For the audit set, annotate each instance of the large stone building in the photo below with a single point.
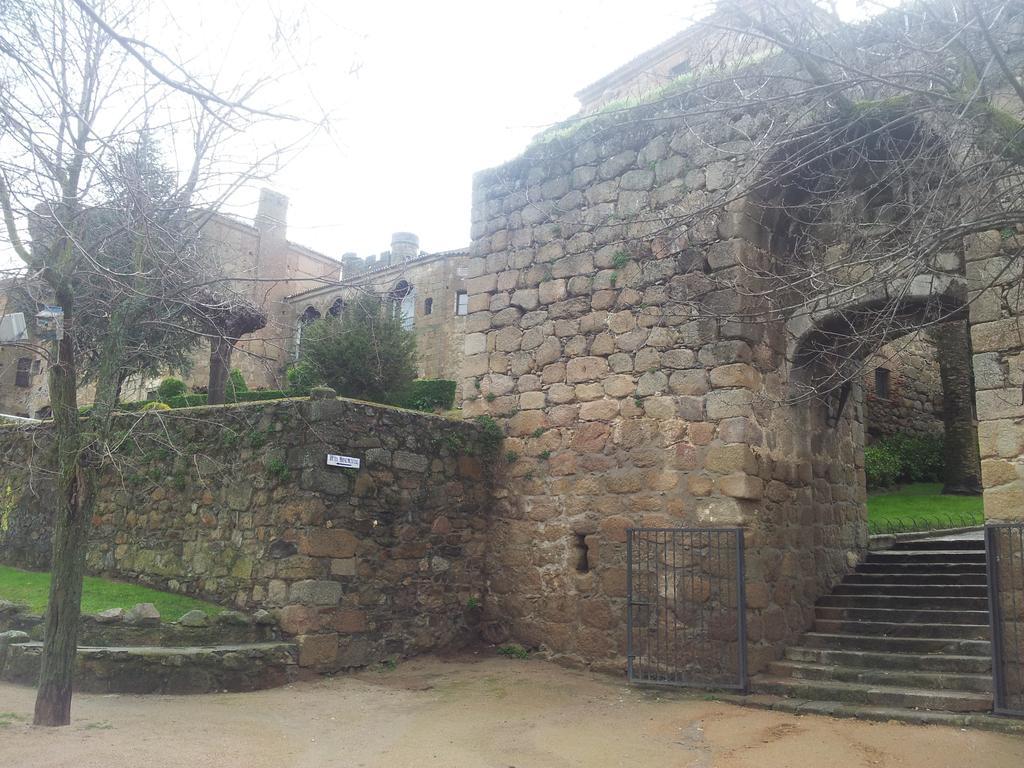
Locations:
(292, 284)
(428, 291)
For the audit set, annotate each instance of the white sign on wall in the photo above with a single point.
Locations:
(350, 462)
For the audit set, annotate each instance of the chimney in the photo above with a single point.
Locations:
(351, 265)
(272, 213)
(404, 245)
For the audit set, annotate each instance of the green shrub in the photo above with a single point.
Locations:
(365, 354)
(426, 395)
(236, 386)
(155, 405)
(903, 459)
(303, 376)
(882, 465)
(170, 387)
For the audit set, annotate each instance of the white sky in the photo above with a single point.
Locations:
(421, 95)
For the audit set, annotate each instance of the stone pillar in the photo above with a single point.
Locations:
(962, 461)
(997, 338)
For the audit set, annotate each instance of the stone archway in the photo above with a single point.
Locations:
(625, 404)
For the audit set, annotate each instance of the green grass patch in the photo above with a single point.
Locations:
(98, 594)
(921, 507)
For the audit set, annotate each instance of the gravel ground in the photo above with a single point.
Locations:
(472, 711)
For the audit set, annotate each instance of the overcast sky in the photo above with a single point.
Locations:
(421, 96)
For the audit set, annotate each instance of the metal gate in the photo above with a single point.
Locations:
(686, 613)
(1004, 555)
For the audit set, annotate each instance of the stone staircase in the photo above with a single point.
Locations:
(908, 629)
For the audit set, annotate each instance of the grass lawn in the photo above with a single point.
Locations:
(97, 594)
(921, 506)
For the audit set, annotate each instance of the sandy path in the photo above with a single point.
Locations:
(499, 713)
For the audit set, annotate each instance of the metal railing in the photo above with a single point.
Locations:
(686, 610)
(934, 521)
(1004, 557)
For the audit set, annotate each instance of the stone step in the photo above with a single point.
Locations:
(978, 720)
(901, 629)
(978, 683)
(153, 669)
(874, 695)
(926, 556)
(933, 602)
(944, 545)
(908, 590)
(897, 567)
(854, 642)
(966, 579)
(901, 615)
(879, 660)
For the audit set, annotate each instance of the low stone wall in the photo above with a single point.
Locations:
(236, 504)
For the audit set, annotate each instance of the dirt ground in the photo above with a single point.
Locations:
(477, 712)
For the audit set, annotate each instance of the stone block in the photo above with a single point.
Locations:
(328, 542)
(318, 651)
(143, 615)
(998, 336)
(551, 291)
(651, 383)
(735, 375)
(599, 410)
(741, 486)
(299, 619)
(729, 403)
(726, 459)
(585, 369)
(343, 566)
(315, 592)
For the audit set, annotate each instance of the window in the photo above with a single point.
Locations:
(882, 382)
(310, 315)
(403, 297)
(23, 378)
(337, 309)
(461, 303)
(428, 306)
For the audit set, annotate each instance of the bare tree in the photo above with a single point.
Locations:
(112, 244)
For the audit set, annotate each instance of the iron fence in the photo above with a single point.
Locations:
(1004, 556)
(686, 614)
(933, 521)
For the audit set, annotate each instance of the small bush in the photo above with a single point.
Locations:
(170, 387)
(514, 651)
(904, 459)
(155, 405)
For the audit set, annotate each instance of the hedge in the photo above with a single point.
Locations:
(904, 459)
(426, 395)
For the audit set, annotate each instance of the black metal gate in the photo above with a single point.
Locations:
(1004, 555)
(686, 614)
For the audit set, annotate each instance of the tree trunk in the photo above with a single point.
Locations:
(220, 369)
(73, 506)
(963, 461)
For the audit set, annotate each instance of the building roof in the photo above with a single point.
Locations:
(379, 269)
(639, 63)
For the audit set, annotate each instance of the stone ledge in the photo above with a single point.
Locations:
(985, 722)
(157, 670)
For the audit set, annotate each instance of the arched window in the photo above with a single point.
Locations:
(403, 299)
(337, 309)
(309, 315)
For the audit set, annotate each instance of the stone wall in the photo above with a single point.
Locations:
(913, 404)
(994, 271)
(236, 504)
(624, 406)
